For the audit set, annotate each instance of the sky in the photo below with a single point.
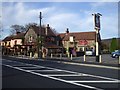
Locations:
(77, 16)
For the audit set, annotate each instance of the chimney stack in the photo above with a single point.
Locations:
(46, 30)
(67, 31)
(17, 32)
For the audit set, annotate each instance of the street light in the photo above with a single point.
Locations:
(97, 28)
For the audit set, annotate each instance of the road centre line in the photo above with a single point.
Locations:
(87, 86)
(73, 72)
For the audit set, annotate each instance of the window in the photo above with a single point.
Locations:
(52, 39)
(9, 43)
(71, 42)
(15, 42)
(5, 43)
(30, 38)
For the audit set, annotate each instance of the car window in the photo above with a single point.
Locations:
(116, 50)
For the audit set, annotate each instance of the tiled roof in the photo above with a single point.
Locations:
(78, 36)
(49, 32)
(8, 38)
(17, 36)
(51, 45)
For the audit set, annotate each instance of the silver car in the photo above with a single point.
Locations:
(89, 53)
(115, 54)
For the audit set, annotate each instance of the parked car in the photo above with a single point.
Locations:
(115, 54)
(89, 52)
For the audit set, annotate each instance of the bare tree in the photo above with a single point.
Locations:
(27, 26)
(17, 28)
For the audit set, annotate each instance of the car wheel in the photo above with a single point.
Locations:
(116, 56)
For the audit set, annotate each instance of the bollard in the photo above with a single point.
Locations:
(100, 58)
(84, 58)
(51, 55)
(71, 56)
(30, 54)
(119, 60)
(43, 55)
(60, 56)
(68, 54)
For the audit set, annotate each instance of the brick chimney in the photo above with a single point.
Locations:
(17, 32)
(46, 30)
(67, 31)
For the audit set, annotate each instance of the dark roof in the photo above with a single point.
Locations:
(78, 36)
(50, 32)
(8, 38)
(51, 45)
(17, 36)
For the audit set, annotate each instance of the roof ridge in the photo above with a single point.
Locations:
(79, 32)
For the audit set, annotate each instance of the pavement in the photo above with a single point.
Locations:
(90, 61)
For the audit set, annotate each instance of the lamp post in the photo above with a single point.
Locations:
(97, 28)
(40, 39)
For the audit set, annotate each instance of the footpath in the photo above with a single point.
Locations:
(90, 61)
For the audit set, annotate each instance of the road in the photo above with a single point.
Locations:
(23, 73)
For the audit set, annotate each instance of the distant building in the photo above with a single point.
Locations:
(9, 43)
(52, 43)
(49, 39)
(78, 40)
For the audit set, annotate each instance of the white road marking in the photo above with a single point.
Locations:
(70, 71)
(96, 81)
(72, 82)
(21, 65)
(90, 65)
(30, 67)
(66, 75)
(102, 77)
(46, 70)
(80, 73)
(87, 86)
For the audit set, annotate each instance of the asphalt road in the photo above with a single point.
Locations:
(22, 73)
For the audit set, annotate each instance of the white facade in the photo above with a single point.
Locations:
(15, 41)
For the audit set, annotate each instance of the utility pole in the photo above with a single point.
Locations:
(40, 39)
(97, 28)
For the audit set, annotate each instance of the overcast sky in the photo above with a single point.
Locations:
(77, 16)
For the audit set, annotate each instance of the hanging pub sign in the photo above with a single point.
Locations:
(97, 21)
